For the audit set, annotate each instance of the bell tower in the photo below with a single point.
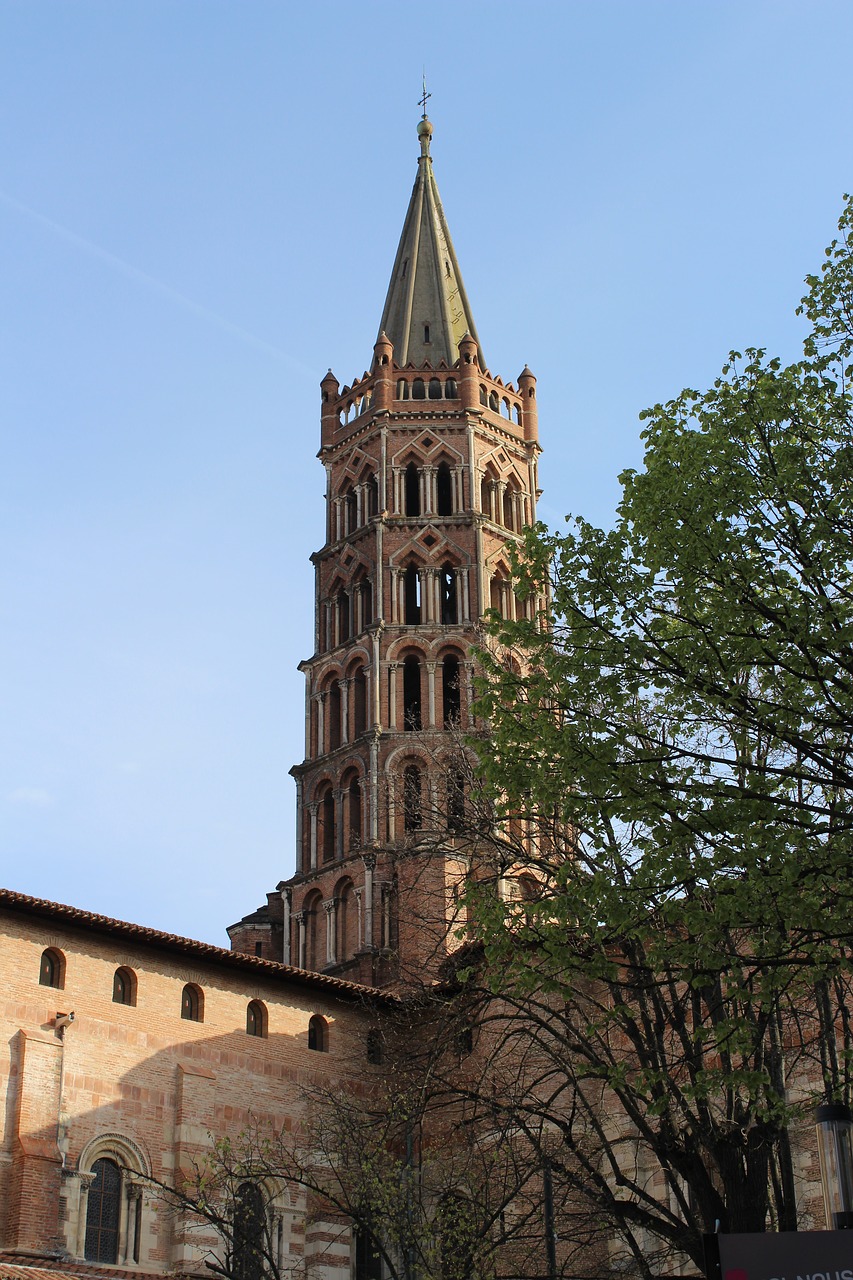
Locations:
(431, 471)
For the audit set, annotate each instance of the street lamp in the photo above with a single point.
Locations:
(834, 1123)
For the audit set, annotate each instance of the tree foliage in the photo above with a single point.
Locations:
(674, 739)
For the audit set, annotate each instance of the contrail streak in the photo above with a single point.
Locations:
(157, 286)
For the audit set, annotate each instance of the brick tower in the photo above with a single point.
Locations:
(431, 471)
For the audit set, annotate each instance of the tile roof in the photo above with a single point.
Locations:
(22, 902)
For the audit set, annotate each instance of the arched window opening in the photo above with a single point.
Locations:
(402, 389)
(447, 587)
(312, 931)
(256, 1018)
(450, 392)
(483, 396)
(450, 691)
(516, 415)
(528, 888)
(52, 969)
(412, 596)
(192, 1003)
(334, 715)
(497, 592)
(418, 389)
(318, 1034)
(124, 986)
(102, 1212)
(455, 800)
(354, 813)
(509, 508)
(505, 409)
(412, 798)
(434, 389)
(457, 1234)
(359, 702)
(327, 822)
(374, 1047)
(350, 512)
(494, 402)
(347, 922)
(444, 490)
(413, 490)
(412, 693)
(486, 495)
(343, 617)
(366, 602)
(249, 1226)
(368, 1259)
(426, 333)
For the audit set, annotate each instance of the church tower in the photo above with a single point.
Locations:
(431, 471)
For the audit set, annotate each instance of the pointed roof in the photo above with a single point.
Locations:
(427, 311)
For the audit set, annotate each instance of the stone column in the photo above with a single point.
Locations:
(374, 790)
(395, 596)
(469, 688)
(85, 1180)
(321, 724)
(429, 504)
(458, 489)
(464, 604)
(359, 921)
(300, 925)
(127, 1237)
(331, 911)
(345, 684)
(300, 828)
(286, 900)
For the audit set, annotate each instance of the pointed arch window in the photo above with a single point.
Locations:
(412, 693)
(412, 596)
(449, 612)
(413, 489)
(444, 490)
(412, 798)
(103, 1210)
(343, 617)
(366, 602)
(327, 824)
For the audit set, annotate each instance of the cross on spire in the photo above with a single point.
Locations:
(422, 100)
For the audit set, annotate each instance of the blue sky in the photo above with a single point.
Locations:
(200, 202)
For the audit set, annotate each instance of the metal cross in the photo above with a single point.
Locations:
(422, 101)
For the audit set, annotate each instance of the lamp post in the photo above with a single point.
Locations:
(834, 1123)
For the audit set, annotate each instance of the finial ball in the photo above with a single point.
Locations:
(424, 128)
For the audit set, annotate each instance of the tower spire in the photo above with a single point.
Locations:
(426, 311)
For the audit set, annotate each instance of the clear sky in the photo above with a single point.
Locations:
(200, 202)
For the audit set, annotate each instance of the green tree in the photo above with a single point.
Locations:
(675, 739)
